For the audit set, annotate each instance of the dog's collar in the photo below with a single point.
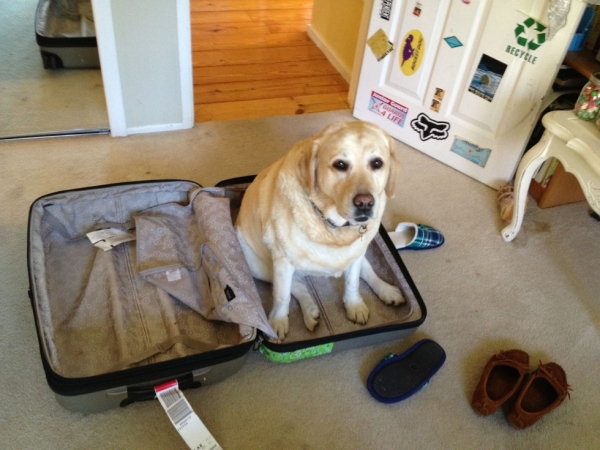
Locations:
(361, 228)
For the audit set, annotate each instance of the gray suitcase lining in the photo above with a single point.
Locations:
(93, 310)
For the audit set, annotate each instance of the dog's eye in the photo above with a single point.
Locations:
(377, 163)
(340, 165)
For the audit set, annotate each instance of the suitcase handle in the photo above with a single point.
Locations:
(145, 393)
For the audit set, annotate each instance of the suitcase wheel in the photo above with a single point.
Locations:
(51, 61)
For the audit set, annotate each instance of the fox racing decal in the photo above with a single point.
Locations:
(429, 128)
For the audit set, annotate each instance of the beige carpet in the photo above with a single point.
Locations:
(540, 293)
(34, 100)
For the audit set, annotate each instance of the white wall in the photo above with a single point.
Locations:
(145, 54)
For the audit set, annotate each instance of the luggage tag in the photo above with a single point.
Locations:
(184, 419)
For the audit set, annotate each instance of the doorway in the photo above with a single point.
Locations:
(253, 58)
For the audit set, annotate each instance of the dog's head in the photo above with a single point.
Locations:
(348, 171)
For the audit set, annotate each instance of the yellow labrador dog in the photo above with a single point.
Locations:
(314, 212)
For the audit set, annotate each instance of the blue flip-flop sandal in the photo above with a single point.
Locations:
(397, 377)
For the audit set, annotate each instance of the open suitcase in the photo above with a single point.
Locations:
(113, 324)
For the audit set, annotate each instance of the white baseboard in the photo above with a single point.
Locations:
(159, 128)
(344, 71)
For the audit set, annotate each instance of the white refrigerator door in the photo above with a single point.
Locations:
(462, 80)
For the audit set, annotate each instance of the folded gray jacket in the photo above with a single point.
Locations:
(192, 252)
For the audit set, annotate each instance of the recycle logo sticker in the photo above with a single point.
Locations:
(530, 34)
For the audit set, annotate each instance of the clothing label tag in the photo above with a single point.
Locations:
(173, 275)
(109, 238)
(184, 419)
(229, 293)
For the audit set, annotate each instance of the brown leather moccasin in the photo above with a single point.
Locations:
(501, 377)
(544, 390)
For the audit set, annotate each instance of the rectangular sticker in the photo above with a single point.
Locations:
(453, 41)
(386, 9)
(436, 102)
(487, 77)
(417, 10)
(388, 108)
(470, 151)
(380, 45)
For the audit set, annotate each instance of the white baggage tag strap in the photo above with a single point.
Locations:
(184, 419)
(108, 238)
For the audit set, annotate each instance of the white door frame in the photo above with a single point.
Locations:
(113, 88)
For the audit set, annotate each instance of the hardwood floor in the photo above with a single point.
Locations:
(253, 58)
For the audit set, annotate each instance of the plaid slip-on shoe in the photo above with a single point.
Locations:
(415, 236)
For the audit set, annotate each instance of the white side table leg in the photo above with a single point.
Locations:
(530, 162)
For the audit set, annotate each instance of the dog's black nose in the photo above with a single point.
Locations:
(363, 202)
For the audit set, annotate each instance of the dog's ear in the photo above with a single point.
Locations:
(394, 169)
(307, 167)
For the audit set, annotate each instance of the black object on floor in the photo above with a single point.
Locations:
(397, 377)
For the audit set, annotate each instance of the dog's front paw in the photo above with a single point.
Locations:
(281, 327)
(391, 295)
(311, 317)
(357, 312)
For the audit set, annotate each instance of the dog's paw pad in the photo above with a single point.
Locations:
(392, 296)
(281, 327)
(358, 313)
